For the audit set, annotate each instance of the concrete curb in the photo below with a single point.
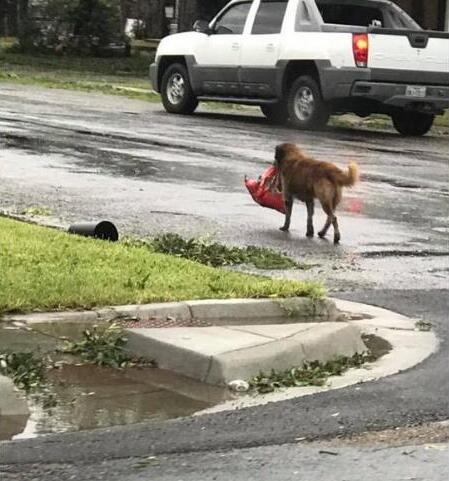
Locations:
(220, 354)
(251, 315)
(217, 355)
(410, 347)
(219, 312)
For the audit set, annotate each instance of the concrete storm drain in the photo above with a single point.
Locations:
(201, 347)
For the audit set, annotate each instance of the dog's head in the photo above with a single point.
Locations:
(284, 152)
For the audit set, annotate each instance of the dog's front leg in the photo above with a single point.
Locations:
(310, 211)
(288, 201)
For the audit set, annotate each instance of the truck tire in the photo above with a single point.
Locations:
(306, 107)
(412, 124)
(275, 113)
(176, 91)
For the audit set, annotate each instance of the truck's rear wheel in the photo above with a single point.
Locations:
(176, 91)
(275, 113)
(412, 124)
(306, 107)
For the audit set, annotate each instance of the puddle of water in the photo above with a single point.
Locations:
(89, 397)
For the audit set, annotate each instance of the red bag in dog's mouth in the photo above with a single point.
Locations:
(264, 190)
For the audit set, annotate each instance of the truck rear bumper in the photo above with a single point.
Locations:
(427, 98)
(386, 86)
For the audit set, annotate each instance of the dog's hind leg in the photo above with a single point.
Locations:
(336, 230)
(337, 200)
(310, 210)
(288, 200)
(330, 218)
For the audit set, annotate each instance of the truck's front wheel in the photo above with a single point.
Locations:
(176, 91)
(412, 124)
(306, 107)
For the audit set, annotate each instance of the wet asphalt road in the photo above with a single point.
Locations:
(292, 462)
(94, 157)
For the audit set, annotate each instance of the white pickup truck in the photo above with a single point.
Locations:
(302, 60)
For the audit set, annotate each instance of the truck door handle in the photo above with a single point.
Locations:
(270, 47)
(235, 46)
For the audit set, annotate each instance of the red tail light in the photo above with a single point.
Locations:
(360, 47)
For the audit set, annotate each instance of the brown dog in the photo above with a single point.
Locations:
(306, 179)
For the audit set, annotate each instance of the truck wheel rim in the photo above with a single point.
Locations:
(176, 88)
(304, 103)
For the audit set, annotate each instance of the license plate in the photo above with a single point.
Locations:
(413, 91)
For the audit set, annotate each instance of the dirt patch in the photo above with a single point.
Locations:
(429, 433)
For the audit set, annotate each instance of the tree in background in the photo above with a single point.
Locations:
(8, 18)
(78, 26)
(96, 23)
(24, 25)
(155, 21)
(191, 10)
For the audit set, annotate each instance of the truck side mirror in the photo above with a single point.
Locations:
(202, 26)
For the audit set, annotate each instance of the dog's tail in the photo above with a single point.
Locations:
(349, 178)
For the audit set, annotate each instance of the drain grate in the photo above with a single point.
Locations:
(157, 322)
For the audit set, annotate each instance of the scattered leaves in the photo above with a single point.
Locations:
(313, 373)
(215, 254)
(29, 374)
(37, 211)
(103, 346)
(26, 370)
(423, 326)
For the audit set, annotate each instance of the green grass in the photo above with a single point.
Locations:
(118, 76)
(380, 122)
(442, 120)
(45, 269)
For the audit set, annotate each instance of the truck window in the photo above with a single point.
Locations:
(344, 14)
(233, 20)
(269, 17)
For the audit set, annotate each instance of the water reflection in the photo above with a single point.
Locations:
(90, 397)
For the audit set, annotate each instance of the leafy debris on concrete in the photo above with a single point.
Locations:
(215, 254)
(37, 211)
(423, 326)
(24, 368)
(314, 373)
(103, 346)
(29, 373)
